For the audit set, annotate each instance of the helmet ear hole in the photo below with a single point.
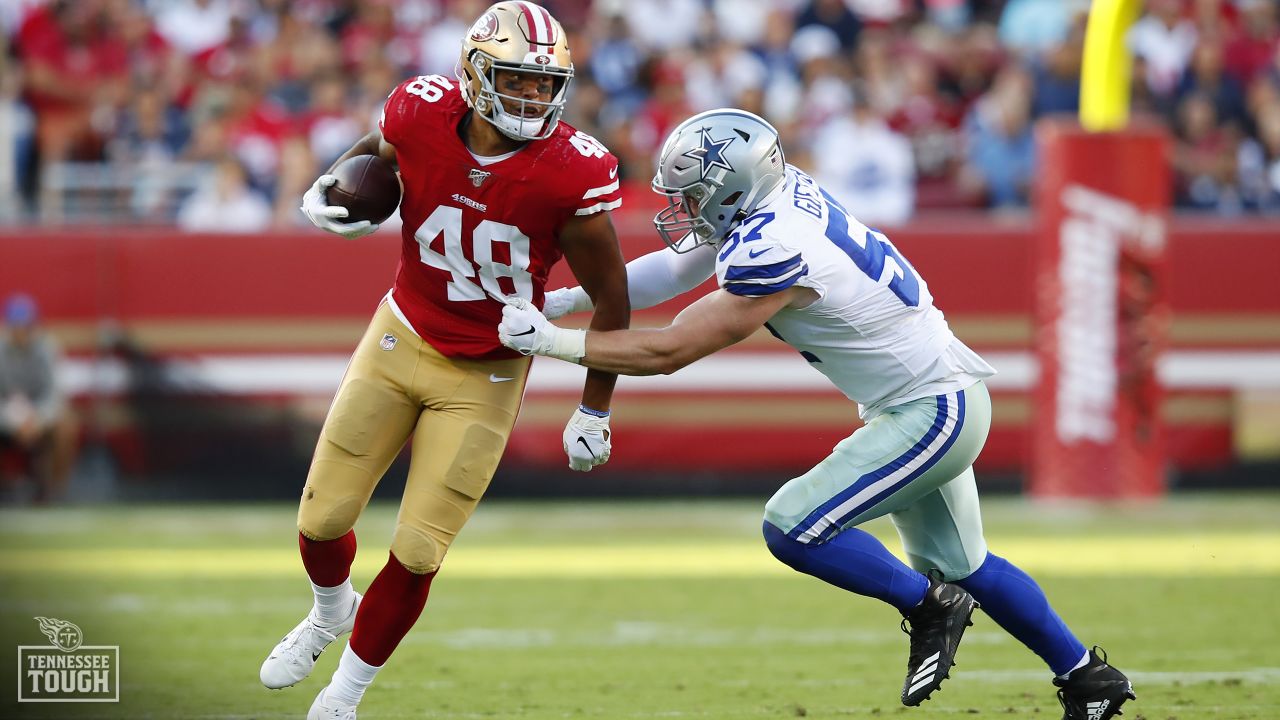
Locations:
(731, 200)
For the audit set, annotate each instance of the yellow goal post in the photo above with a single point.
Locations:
(1108, 66)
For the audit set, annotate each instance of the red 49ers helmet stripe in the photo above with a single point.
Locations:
(494, 44)
(541, 29)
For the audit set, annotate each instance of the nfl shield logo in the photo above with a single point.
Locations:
(388, 342)
(478, 176)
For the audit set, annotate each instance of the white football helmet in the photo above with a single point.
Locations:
(523, 37)
(715, 169)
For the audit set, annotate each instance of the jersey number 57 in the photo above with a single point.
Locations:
(874, 255)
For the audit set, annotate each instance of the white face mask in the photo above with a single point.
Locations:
(519, 125)
(519, 128)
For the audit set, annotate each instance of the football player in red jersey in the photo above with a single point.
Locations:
(496, 190)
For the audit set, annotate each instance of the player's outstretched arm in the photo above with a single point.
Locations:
(315, 204)
(712, 323)
(651, 280)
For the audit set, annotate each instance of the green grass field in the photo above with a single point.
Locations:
(644, 610)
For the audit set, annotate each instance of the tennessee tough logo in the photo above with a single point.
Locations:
(65, 636)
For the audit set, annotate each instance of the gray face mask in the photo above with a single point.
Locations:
(714, 170)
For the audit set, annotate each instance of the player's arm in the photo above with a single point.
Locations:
(372, 144)
(651, 280)
(590, 246)
(713, 323)
(315, 204)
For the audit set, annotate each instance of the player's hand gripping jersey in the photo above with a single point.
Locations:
(474, 233)
(873, 330)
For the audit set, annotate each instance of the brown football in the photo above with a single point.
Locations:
(367, 187)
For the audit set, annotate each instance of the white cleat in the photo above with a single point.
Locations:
(293, 659)
(320, 710)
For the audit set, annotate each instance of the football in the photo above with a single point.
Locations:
(367, 187)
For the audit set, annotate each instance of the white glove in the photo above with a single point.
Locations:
(325, 216)
(586, 441)
(564, 301)
(528, 332)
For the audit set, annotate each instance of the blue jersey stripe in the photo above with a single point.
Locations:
(762, 272)
(757, 289)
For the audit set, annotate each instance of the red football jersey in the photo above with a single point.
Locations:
(474, 233)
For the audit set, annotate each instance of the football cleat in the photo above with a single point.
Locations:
(322, 710)
(294, 657)
(1094, 691)
(936, 626)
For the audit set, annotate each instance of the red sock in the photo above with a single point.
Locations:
(390, 607)
(328, 562)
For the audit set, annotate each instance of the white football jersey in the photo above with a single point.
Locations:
(873, 329)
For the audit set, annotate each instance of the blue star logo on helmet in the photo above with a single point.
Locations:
(710, 154)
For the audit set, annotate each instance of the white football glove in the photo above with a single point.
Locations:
(525, 330)
(586, 441)
(326, 216)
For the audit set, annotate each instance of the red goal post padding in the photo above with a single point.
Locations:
(1101, 311)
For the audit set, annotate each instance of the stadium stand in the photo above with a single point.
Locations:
(117, 110)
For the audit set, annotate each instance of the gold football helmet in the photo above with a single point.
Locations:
(522, 37)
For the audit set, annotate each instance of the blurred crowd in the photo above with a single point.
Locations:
(899, 106)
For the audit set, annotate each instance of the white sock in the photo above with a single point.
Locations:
(1083, 661)
(333, 604)
(351, 679)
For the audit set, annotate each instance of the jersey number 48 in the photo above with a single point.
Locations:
(447, 221)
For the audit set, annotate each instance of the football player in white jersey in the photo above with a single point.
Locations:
(787, 256)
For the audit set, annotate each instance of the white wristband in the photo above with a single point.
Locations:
(568, 345)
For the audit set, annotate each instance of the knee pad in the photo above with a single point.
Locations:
(328, 511)
(417, 551)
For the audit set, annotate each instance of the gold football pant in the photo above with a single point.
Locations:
(459, 413)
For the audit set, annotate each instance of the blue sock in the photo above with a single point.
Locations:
(1019, 606)
(855, 561)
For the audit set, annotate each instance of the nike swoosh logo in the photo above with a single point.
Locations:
(498, 379)
(587, 446)
(753, 254)
(613, 172)
(526, 332)
(315, 656)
